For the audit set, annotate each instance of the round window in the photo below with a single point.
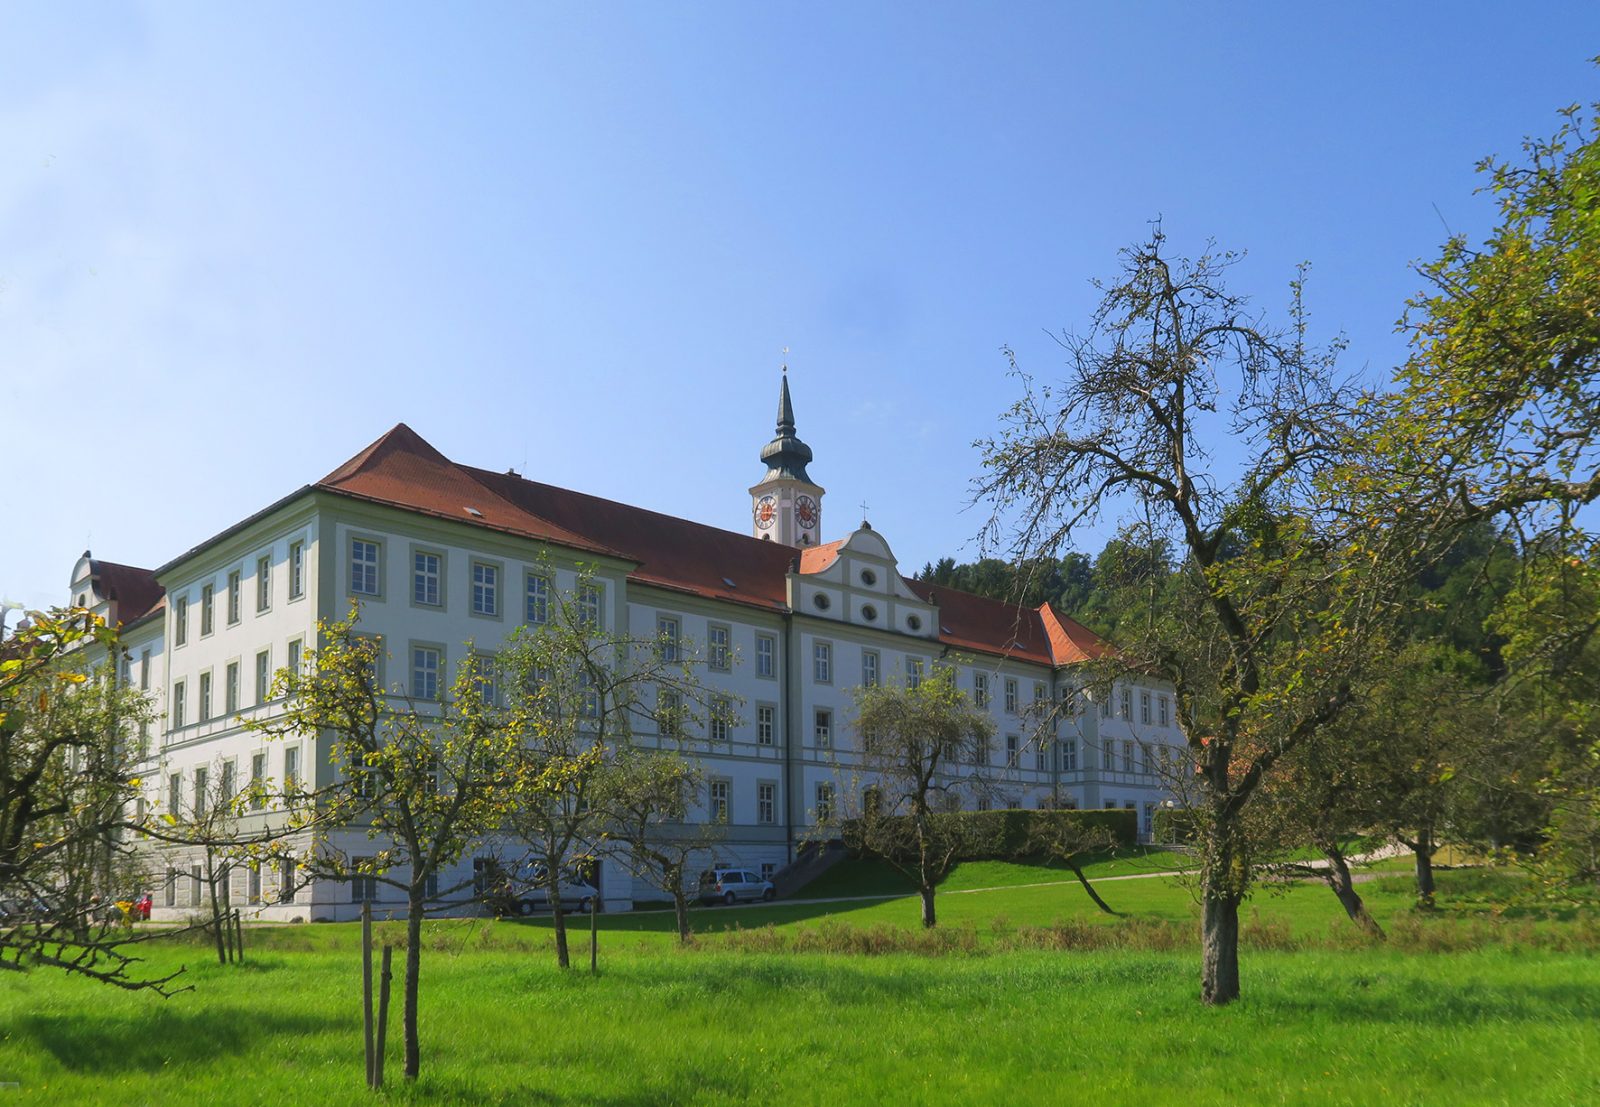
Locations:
(821, 601)
(868, 577)
(914, 622)
(869, 613)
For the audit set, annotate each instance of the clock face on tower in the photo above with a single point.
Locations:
(805, 511)
(766, 512)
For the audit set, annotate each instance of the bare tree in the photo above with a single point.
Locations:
(1284, 573)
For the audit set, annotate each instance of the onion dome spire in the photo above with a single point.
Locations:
(786, 456)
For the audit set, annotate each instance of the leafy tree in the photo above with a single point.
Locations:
(911, 741)
(575, 693)
(649, 803)
(67, 786)
(422, 778)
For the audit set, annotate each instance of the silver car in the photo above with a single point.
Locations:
(731, 885)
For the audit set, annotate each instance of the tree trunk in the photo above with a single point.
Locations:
(1338, 877)
(408, 1018)
(680, 908)
(1423, 847)
(928, 917)
(1219, 950)
(216, 911)
(594, 935)
(560, 918)
(1077, 871)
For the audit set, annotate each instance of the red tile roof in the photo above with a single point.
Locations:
(133, 590)
(402, 470)
(814, 559)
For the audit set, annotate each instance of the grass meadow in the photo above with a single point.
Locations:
(1028, 995)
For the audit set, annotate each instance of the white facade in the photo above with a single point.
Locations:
(805, 626)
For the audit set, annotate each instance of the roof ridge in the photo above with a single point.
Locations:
(476, 471)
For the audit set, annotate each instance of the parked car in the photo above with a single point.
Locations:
(576, 893)
(731, 885)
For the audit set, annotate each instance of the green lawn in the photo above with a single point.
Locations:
(1329, 1023)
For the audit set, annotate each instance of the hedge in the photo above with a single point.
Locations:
(1009, 834)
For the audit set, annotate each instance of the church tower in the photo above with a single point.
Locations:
(786, 506)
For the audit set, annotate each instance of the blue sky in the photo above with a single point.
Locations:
(237, 244)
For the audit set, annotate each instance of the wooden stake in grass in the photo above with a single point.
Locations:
(238, 933)
(594, 933)
(383, 1018)
(366, 983)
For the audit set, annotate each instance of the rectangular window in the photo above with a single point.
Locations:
(485, 589)
(1144, 708)
(591, 695)
(719, 801)
(1147, 824)
(296, 652)
(484, 679)
(196, 884)
(590, 604)
(263, 593)
(1041, 759)
(1069, 755)
(200, 781)
(1127, 704)
(205, 698)
(721, 658)
(297, 570)
(363, 567)
(180, 705)
(228, 783)
(253, 889)
(766, 803)
(1011, 750)
(824, 728)
(175, 795)
(363, 886)
(869, 668)
(291, 770)
(288, 877)
(913, 672)
(1164, 714)
(1105, 704)
(1040, 698)
(425, 666)
(208, 605)
(1011, 696)
(1145, 764)
(824, 802)
(767, 869)
(180, 622)
(258, 775)
(822, 663)
(425, 573)
(172, 887)
(980, 689)
(536, 599)
(144, 670)
(230, 690)
(1127, 756)
(263, 676)
(766, 655)
(766, 718)
(234, 588)
(721, 719)
(667, 636)
(669, 712)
